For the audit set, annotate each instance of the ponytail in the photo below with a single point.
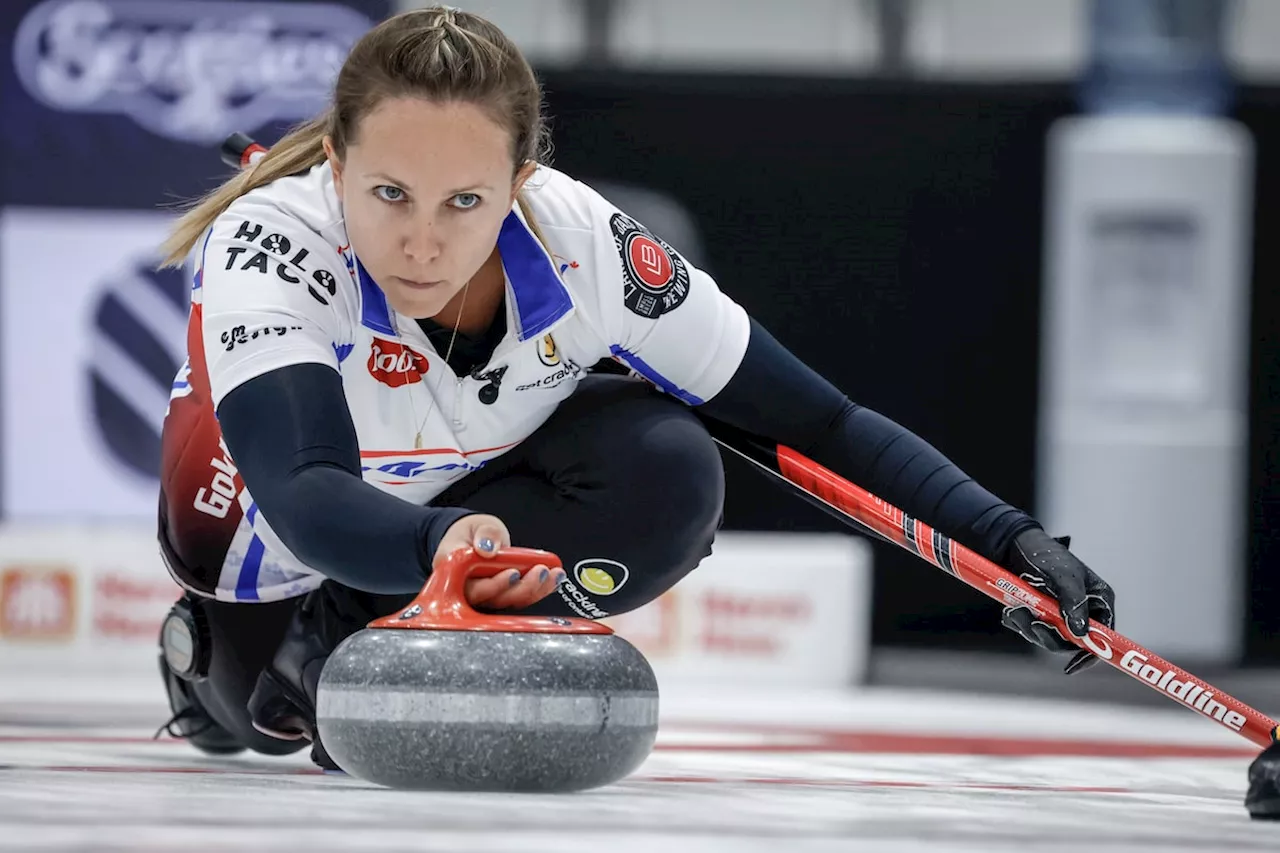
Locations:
(298, 151)
(533, 223)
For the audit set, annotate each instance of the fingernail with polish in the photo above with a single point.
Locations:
(543, 575)
(486, 544)
(515, 578)
(560, 576)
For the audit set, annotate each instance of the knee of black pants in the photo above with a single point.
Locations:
(675, 494)
(627, 481)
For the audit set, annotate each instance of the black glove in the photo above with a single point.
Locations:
(1047, 566)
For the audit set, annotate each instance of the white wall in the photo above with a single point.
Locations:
(965, 39)
(1009, 39)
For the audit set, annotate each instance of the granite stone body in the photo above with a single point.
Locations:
(487, 711)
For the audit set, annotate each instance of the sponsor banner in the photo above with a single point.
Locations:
(784, 609)
(84, 598)
(193, 71)
(764, 609)
(125, 102)
(93, 338)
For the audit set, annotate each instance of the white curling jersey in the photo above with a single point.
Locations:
(278, 284)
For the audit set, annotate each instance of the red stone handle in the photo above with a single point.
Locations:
(442, 605)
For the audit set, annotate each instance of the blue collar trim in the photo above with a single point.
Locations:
(539, 296)
(373, 303)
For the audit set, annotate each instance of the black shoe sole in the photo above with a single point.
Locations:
(278, 711)
(1267, 808)
(215, 747)
(282, 706)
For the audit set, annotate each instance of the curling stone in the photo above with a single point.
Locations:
(440, 697)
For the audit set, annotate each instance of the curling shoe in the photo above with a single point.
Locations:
(283, 703)
(184, 659)
(1263, 799)
(190, 721)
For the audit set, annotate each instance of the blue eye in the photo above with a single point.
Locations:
(388, 193)
(465, 201)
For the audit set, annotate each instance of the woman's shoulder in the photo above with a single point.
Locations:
(281, 244)
(299, 207)
(560, 201)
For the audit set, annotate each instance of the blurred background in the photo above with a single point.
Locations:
(1036, 232)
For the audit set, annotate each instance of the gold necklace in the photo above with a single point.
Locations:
(417, 438)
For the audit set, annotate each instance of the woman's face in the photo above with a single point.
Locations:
(424, 188)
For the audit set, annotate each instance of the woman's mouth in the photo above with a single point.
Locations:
(417, 285)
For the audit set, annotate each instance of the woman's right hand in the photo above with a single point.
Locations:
(507, 590)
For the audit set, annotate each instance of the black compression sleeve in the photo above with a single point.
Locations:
(815, 418)
(293, 441)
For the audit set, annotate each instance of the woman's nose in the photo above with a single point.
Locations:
(422, 243)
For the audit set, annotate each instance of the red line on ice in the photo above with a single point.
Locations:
(783, 781)
(782, 740)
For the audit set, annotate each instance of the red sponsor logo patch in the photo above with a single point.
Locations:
(394, 364)
(649, 261)
(655, 279)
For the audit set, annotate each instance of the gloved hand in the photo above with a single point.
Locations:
(1047, 566)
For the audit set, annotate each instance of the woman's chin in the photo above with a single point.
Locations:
(418, 305)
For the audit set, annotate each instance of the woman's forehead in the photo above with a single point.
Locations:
(431, 147)
(402, 125)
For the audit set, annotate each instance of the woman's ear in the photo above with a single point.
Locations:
(334, 163)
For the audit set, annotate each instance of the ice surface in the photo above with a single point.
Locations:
(899, 771)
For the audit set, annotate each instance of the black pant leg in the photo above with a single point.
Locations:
(244, 637)
(623, 483)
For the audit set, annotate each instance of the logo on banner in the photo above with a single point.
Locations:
(138, 345)
(655, 279)
(395, 365)
(37, 603)
(192, 71)
(130, 606)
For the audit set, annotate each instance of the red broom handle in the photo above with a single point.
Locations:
(854, 504)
